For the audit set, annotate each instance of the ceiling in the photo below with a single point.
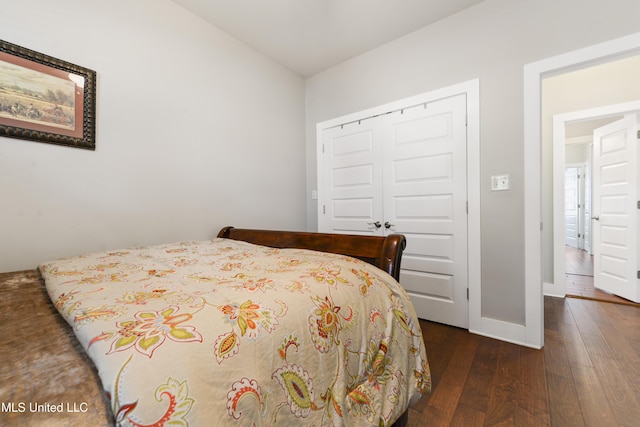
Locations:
(585, 128)
(308, 36)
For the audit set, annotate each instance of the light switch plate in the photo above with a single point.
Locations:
(500, 182)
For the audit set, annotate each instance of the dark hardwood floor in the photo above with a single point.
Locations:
(579, 278)
(578, 262)
(587, 374)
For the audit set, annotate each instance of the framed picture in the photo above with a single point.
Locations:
(46, 99)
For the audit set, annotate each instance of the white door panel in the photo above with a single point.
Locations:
(431, 210)
(429, 253)
(424, 184)
(615, 185)
(352, 179)
(436, 286)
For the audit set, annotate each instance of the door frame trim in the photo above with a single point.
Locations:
(472, 90)
(533, 75)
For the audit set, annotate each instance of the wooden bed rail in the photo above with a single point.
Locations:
(383, 252)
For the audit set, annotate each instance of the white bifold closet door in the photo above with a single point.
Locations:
(406, 172)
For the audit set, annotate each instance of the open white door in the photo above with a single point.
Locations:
(615, 208)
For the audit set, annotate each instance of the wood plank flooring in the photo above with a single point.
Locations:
(588, 373)
(579, 278)
(578, 262)
(582, 287)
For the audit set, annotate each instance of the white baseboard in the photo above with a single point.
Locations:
(553, 290)
(504, 331)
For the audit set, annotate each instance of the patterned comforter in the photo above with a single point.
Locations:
(224, 332)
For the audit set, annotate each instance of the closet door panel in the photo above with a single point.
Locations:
(424, 188)
(436, 286)
(352, 179)
(430, 252)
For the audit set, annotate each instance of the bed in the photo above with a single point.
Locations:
(254, 327)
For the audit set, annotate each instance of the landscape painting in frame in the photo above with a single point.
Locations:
(46, 99)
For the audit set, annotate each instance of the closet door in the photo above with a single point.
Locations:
(425, 196)
(351, 179)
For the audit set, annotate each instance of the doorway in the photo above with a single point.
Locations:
(534, 227)
(565, 127)
(577, 212)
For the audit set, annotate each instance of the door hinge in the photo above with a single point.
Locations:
(638, 274)
(322, 148)
(324, 209)
(638, 135)
(468, 288)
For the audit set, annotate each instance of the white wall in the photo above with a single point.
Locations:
(195, 131)
(491, 41)
(576, 154)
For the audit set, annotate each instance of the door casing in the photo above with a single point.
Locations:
(532, 333)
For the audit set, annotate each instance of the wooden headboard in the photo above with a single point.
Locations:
(383, 252)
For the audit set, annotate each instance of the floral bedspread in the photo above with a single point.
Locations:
(224, 332)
